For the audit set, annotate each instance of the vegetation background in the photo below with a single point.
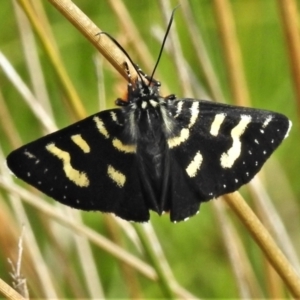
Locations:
(210, 256)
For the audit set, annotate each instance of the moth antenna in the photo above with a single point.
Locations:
(163, 43)
(126, 54)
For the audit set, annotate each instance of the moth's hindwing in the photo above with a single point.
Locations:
(86, 165)
(219, 148)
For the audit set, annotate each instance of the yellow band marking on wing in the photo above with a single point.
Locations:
(116, 176)
(101, 127)
(177, 140)
(81, 143)
(179, 108)
(216, 124)
(194, 113)
(194, 165)
(228, 159)
(114, 116)
(79, 178)
(122, 147)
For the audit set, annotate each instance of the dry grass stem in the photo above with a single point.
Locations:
(266, 243)
(232, 53)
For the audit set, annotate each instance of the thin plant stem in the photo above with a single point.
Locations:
(155, 254)
(201, 52)
(266, 242)
(90, 234)
(107, 48)
(9, 292)
(290, 23)
(78, 108)
(232, 53)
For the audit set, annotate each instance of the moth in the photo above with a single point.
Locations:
(152, 153)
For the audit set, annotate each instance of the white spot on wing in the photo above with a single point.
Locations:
(216, 124)
(28, 154)
(194, 165)
(228, 159)
(288, 131)
(267, 121)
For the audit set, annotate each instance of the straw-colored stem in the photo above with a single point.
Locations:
(201, 52)
(79, 110)
(107, 48)
(94, 237)
(266, 242)
(155, 254)
(290, 24)
(232, 53)
(127, 25)
(246, 281)
(9, 292)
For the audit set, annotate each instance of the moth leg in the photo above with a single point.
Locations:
(121, 102)
(170, 97)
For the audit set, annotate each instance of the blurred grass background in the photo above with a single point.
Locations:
(204, 259)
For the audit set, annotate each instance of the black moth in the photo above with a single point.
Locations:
(157, 153)
(154, 153)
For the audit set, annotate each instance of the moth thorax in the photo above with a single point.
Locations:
(168, 121)
(131, 127)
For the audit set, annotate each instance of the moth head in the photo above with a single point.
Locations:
(142, 92)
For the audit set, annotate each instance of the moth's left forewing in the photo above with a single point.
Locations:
(87, 165)
(221, 147)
